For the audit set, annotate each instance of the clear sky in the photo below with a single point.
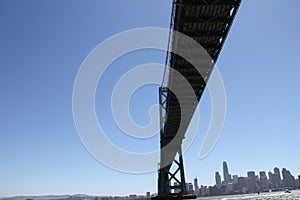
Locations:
(43, 43)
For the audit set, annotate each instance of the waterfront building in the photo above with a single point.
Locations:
(148, 196)
(189, 188)
(226, 173)
(251, 182)
(288, 179)
(270, 174)
(235, 179)
(242, 184)
(263, 180)
(276, 171)
(214, 190)
(251, 174)
(196, 186)
(251, 185)
(230, 187)
(276, 179)
(203, 191)
(218, 180)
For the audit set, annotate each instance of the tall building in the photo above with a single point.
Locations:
(196, 186)
(226, 173)
(213, 190)
(297, 182)
(203, 191)
(288, 179)
(271, 180)
(235, 179)
(189, 188)
(262, 175)
(218, 180)
(251, 174)
(242, 183)
(276, 171)
(285, 176)
(276, 179)
(148, 196)
(251, 182)
(263, 180)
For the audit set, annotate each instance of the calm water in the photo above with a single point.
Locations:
(295, 194)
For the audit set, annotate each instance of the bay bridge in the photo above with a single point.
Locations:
(208, 23)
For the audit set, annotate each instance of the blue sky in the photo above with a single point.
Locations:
(43, 43)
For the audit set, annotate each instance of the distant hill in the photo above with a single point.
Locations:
(74, 197)
(53, 197)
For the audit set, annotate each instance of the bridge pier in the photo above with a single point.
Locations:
(167, 159)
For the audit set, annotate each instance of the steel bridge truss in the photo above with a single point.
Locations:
(207, 22)
(165, 174)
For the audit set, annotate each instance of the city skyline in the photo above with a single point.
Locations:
(276, 169)
(43, 44)
(245, 173)
(253, 182)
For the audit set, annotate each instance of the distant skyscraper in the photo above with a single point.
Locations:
(148, 195)
(276, 179)
(218, 180)
(225, 173)
(271, 178)
(285, 177)
(288, 178)
(262, 175)
(242, 183)
(196, 186)
(276, 171)
(189, 188)
(235, 179)
(251, 181)
(251, 174)
(263, 179)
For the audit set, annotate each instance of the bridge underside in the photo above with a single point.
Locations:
(208, 23)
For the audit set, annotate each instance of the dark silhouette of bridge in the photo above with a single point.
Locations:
(207, 22)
